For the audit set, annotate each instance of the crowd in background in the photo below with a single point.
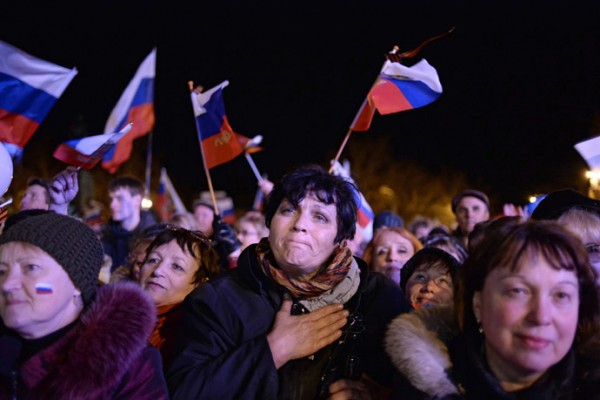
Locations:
(295, 301)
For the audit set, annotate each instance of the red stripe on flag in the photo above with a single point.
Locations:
(143, 121)
(388, 98)
(16, 128)
(69, 155)
(222, 147)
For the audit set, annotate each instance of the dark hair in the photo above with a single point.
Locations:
(134, 185)
(429, 256)
(196, 244)
(328, 188)
(507, 241)
(447, 242)
(43, 182)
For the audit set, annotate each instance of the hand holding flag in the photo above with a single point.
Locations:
(251, 146)
(87, 152)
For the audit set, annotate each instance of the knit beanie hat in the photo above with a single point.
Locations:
(387, 218)
(69, 241)
(469, 193)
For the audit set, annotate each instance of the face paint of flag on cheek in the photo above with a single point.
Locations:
(43, 288)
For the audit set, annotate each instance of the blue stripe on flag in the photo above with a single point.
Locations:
(20, 98)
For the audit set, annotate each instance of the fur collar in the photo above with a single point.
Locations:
(417, 343)
(111, 334)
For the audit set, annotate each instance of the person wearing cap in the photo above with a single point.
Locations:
(127, 218)
(62, 336)
(387, 218)
(204, 213)
(470, 208)
(222, 234)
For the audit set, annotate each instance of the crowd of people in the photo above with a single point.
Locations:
(286, 303)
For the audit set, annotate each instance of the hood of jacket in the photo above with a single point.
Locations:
(417, 343)
(93, 357)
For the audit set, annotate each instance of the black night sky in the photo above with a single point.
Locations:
(521, 81)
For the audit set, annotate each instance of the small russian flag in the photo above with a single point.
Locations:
(43, 288)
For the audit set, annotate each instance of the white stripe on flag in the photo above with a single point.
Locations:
(38, 73)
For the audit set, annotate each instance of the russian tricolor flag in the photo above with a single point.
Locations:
(219, 142)
(364, 212)
(29, 88)
(88, 151)
(399, 88)
(136, 105)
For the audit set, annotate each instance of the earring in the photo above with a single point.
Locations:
(479, 327)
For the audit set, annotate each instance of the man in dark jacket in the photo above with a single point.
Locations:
(127, 218)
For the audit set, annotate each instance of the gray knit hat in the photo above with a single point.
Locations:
(69, 241)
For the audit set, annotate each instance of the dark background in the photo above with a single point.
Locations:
(520, 79)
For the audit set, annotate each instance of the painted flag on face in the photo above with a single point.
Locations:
(219, 142)
(135, 105)
(88, 151)
(29, 88)
(590, 151)
(399, 88)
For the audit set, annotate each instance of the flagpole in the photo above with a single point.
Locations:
(252, 165)
(148, 166)
(339, 153)
(208, 180)
(392, 56)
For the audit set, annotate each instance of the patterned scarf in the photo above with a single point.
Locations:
(328, 276)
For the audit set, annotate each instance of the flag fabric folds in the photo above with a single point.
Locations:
(135, 105)
(29, 88)
(364, 212)
(88, 151)
(219, 143)
(168, 200)
(399, 88)
(590, 151)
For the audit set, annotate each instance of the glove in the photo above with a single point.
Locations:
(225, 236)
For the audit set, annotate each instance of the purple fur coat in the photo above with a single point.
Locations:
(105, 356)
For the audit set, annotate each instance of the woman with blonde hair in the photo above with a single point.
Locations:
(390, 249)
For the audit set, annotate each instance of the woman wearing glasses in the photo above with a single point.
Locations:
(526, 322)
